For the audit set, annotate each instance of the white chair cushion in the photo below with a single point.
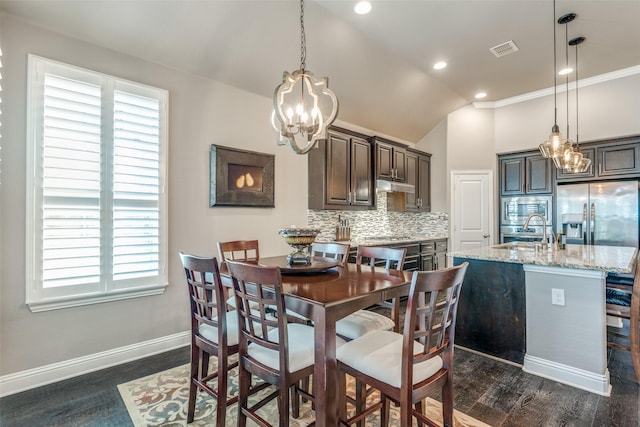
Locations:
(301, 348)
(379, 355)
(211, 332)
(362, 322)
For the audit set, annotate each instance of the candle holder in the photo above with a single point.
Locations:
(300, 239)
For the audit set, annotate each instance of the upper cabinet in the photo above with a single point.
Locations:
(618, 158)
(418, 166)
(390, 160)
(525, 173)
(341, 172)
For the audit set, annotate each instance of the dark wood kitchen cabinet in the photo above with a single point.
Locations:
(526, 173)
(419, 175)
(611, 159)
(341, 172)
(391, 160)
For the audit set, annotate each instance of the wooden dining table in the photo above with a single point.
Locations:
(325, 295)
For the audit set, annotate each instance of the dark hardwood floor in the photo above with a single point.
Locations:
(497, 393)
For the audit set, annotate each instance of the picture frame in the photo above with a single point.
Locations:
(241, 178)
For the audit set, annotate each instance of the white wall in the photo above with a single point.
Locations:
(202, 112)
(607, 109)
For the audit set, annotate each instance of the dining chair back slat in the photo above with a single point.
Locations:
(241, 250)
(393, 258)
(338, 251)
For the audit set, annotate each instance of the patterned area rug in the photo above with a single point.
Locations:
(161, 400)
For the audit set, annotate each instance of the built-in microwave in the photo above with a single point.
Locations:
(515, 210)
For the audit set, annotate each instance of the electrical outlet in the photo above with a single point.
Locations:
(557, 296)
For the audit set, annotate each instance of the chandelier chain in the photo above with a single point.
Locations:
(303, 41)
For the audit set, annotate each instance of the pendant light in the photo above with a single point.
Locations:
(577, 163)
(303, 105)
(556, 145)
(561, 161)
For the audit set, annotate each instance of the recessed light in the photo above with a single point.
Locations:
(439, 65)
(481, 95)
(565, 71)
(362, 7)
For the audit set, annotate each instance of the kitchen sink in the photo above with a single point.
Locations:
(525, 246)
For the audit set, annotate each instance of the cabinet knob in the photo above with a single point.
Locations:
(486, 235)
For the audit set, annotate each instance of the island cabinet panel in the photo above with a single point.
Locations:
(491, 311)
(341, 172)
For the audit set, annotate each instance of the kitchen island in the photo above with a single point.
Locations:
(541, 307)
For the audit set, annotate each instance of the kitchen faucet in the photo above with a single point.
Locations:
(544, 226)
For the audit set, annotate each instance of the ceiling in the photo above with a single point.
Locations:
(379, 65)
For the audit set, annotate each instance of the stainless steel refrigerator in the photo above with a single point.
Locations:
(599, 213)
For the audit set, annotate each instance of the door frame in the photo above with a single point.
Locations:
(491, 205)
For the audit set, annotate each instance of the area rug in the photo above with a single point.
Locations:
(161, 400)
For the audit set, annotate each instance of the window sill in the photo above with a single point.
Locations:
(79, 300)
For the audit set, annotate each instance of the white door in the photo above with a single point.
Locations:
(472, 209)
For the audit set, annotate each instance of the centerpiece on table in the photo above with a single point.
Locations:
(300, 239)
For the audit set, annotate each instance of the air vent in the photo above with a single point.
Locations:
(504, 49)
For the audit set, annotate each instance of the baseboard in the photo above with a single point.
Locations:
(25, 380)
(569, 375)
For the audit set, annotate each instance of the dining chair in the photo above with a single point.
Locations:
(623, 302)
(364, 321)
(214, 332)
(338, 251)
(408, 367)
(271, 348)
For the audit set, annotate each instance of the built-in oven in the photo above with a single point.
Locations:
(515, 233)
(515, 210)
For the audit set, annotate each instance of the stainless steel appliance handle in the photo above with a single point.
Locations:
(584, 224)
(593, 223)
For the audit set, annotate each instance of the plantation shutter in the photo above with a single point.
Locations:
(97, 224)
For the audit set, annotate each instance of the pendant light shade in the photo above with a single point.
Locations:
(303, 105)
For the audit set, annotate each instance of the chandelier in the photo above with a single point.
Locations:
(556, 146)
(303, 105)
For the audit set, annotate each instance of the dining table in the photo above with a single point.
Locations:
(325, 291)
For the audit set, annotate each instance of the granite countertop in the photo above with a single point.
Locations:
(608, 258)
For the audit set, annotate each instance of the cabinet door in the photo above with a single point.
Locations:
(400, 164)
(384, 161)
(539, 178)
(423, 189)
(562, 176)
(618, 160)
(338, 178)
(512, 176)
(362, 189)
(413, 178)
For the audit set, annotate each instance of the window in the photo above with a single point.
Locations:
(96, 201)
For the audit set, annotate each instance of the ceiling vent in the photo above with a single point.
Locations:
(504, 49)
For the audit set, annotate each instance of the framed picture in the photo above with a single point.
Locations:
(241, 177)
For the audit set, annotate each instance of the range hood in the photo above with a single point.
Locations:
(394, 187)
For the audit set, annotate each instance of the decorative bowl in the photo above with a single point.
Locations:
(300, 239)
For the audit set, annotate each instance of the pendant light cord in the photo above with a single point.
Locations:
(555, 79)
(577, 138)
(303, 41)
(566, 52)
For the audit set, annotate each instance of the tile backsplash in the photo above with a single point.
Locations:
(378, 222)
